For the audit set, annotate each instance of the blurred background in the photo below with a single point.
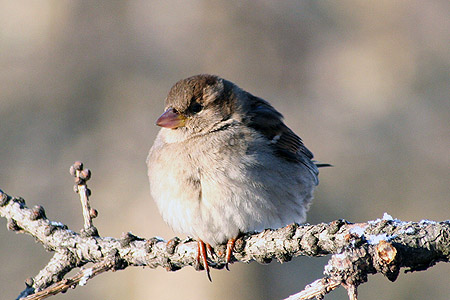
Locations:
(365, 84)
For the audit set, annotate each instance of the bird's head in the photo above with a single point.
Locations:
(198, 104)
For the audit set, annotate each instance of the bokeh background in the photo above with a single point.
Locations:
(364, 83)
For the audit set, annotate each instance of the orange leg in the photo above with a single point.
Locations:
(230, 249)
(210, 249)
(202, 254)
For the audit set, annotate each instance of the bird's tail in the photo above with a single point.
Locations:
(320, 165)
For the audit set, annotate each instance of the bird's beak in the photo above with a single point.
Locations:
(171, 119)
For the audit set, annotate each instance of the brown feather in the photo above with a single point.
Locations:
(269, 122)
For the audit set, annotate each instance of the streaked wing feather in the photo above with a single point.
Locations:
(289, 146)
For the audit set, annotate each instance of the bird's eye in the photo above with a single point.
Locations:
(196, 107)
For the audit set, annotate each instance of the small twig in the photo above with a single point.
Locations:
(352, 292)
(81, 177)
(79, 279)
(318, 289)
(85, 205)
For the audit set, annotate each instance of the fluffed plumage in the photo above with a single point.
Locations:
(224, 163)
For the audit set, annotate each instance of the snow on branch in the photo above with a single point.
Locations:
(382, 246)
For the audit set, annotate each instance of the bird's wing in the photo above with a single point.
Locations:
(269, 122)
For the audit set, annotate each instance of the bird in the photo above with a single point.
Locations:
(224, 163)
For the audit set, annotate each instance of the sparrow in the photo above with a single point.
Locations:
(224, 163)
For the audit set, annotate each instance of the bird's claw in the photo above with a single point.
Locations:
(202, 256)
(230, 249)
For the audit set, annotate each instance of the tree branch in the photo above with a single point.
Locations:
(380, 246)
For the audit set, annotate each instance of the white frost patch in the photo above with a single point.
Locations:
(426, 222)
(373, 222)
(409, 230)
(87, 274)
(357, 230)
(387, 217)
(329, 267)
(375, 239)
(340, 256)
(57, 224)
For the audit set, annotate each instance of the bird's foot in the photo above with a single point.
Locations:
(230, 249)
(202, 256)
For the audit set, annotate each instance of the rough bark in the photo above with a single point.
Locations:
(384, 246)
